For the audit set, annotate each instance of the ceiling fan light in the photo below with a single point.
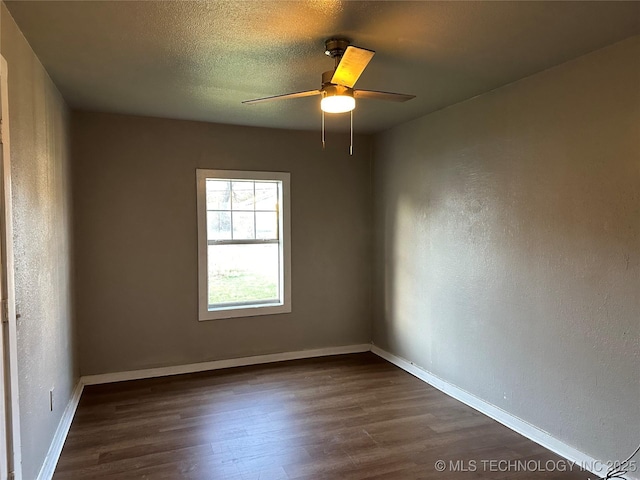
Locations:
(337, 103)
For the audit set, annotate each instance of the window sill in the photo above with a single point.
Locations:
(245, 311)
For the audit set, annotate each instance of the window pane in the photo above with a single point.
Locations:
(243, 227)
(267, 225)
(218, 194)
(242, 195)
(219, 225)
(266, 195)
(243, 273)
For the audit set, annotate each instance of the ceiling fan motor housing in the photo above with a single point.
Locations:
(329, 89)
(327, 76)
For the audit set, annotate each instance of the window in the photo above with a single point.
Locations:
(244, 261)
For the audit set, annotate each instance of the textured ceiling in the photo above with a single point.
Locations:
(199, 60)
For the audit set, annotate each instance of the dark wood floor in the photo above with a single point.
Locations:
(340, 418)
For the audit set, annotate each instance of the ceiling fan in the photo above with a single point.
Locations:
(338, 94)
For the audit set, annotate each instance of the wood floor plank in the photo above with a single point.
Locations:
(348, 417)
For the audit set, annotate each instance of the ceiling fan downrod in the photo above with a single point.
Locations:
(335, 47)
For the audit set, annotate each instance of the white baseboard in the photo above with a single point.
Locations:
(514, 423)
(53, 455)
(218, 364)
(51, 460)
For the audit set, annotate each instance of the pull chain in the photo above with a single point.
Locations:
(351, 144)
(322, 129)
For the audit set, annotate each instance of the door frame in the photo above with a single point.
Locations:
(9, 346)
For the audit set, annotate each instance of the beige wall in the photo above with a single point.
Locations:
(508, 248)
(135, 219)
(41, 206)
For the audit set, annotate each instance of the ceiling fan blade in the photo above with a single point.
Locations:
(286, 96)
(392, 97)
(351, 66)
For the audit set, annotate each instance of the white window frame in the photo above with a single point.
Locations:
(205, 312)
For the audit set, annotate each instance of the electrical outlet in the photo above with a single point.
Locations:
(51, 400)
